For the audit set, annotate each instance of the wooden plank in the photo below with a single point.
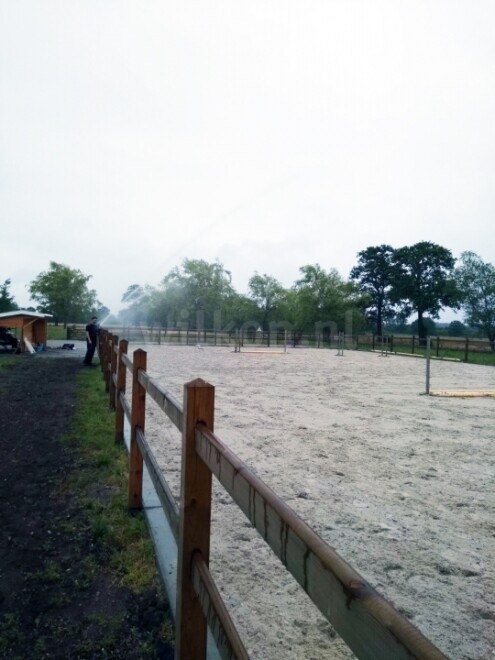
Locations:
(418, 355)
(221, 626)
(368, 624)
(29, 346)
(162, 488)
(194, 527)
(165, 401)
(126, 407)
(261, 351)
(462, 393)
(127, 361)
(138, 416)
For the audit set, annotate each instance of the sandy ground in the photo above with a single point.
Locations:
(400, 484)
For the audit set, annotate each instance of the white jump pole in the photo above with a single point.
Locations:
(428, 360)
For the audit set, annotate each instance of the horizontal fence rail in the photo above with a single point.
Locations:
(162, 488)
(368, 624)
(165, 401)
(225, 634)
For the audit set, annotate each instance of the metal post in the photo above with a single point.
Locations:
(428, 357)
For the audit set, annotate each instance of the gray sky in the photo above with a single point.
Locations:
(267, 134)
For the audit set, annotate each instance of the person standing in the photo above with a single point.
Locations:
(91, 341)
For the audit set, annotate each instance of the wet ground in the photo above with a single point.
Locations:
(58, 595)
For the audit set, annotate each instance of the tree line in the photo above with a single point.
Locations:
(386, 287)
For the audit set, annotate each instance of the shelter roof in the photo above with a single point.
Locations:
(24, 312)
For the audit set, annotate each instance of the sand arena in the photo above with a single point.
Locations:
(400, 484)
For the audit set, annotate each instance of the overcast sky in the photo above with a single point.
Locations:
(267, 134)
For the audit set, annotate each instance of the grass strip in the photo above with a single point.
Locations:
(101, 486)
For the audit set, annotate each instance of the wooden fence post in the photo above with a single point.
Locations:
(99, 345)
(413, 343)
(138, 418)
(121, 378)
(102, 342)
(466, 349)
(108, 339)
(113, 370)
(194, 526)
(105, 359)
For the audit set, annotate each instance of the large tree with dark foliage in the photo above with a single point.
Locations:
(423, 282)
(476, 280)
(374, 276)
(64, 293)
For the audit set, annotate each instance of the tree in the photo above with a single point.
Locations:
(456, 329)
(325, 302)
(63, 292)
(429, 325)
(267, 292)
(374, 275)
(476, 281)
(424, 282)
(199, 293)
(7, 302)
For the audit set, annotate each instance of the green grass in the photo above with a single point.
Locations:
(102, 483)
(485, 358)
(56, 332)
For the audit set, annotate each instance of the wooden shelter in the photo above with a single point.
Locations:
(31, 328)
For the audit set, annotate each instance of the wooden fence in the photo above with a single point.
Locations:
(463, 348)
(368, 624)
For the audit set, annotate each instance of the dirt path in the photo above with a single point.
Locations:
(58, 597)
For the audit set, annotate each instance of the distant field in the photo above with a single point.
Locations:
(57, 332)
